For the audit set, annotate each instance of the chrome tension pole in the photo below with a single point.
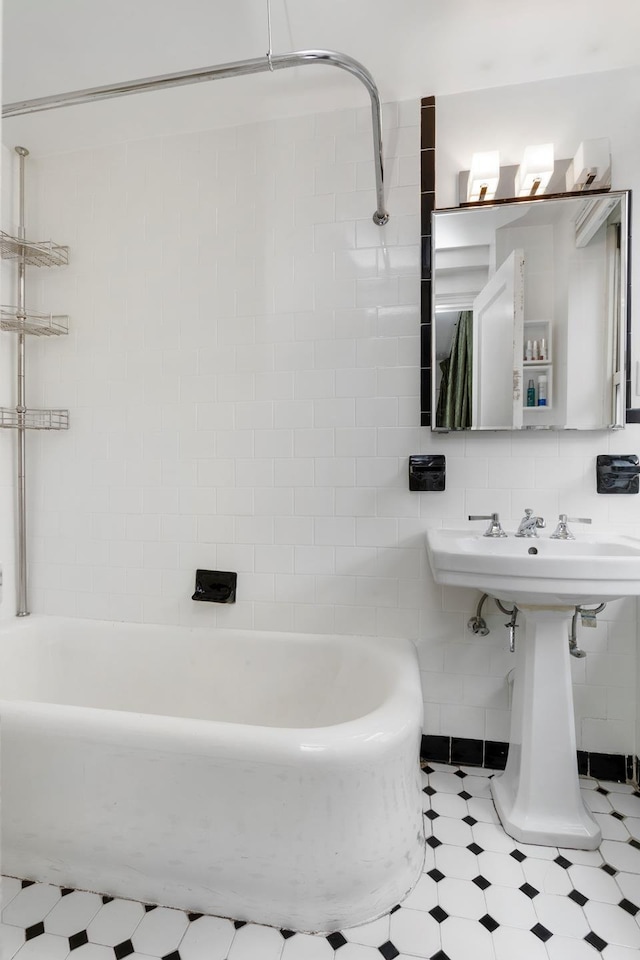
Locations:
(21, 405)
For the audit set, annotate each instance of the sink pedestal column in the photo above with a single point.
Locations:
(538, 796)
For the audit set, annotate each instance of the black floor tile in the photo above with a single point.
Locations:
(629, 907)
(541, 932)
(596, 941)
(336, 940)
(78, 940)
(578, 897)
(481, 882)
(388, 951)
(123, 949)
(439, 914)
(529, 891)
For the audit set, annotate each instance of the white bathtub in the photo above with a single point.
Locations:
(259, 776)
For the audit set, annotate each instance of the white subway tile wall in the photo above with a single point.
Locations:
(243, 375)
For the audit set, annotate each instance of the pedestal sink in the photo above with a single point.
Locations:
(538, 796)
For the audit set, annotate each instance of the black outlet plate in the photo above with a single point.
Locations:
(617, 473)
(427, 471)
(215, 586)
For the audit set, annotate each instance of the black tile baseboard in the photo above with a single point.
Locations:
(436, 748)
(492, 753)
(495, 754)
(608, 766)
(467, 752)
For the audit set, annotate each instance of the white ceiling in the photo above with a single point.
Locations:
(412, 47)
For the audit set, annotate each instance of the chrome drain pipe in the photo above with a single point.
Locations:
(588, 617)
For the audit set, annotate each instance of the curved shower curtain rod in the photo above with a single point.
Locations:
(238, 68)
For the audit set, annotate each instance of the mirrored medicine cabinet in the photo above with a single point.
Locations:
(530, 314)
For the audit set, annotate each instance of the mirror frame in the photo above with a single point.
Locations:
(428, 207)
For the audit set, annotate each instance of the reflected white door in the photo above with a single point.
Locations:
(498, 318)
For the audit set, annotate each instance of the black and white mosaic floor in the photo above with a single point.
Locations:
(481, 895)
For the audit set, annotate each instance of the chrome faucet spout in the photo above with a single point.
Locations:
(529, 525)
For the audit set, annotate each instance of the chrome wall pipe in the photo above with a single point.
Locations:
(21, 406)
(223, 71)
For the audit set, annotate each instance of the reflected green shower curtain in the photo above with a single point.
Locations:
(454, 400)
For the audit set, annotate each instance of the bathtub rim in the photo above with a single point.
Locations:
(399, 711)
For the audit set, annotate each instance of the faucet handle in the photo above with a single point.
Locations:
(562, 531)
(494, 529)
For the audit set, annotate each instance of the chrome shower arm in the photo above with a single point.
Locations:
(223, 71)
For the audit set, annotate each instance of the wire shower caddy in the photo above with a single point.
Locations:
(24, 323)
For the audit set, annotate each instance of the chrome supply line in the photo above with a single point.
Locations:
(21, 406)
(223, 71)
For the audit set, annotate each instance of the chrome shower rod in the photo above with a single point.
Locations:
(222, 71)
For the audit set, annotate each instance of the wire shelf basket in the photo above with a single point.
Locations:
(35, 324)
(45, 254)
(34, 419)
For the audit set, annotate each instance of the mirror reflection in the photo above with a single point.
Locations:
(530, 314)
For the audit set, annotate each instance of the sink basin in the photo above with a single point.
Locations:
(539, 570)
(538, 796)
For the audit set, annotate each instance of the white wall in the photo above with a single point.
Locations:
(242, 378)
(242, 375)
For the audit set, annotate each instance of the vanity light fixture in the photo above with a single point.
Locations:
(483, 176)
(590, 169)
(535, 171)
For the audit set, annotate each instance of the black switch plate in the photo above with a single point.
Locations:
(617, 473)
(215, 586)
(427, 471)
